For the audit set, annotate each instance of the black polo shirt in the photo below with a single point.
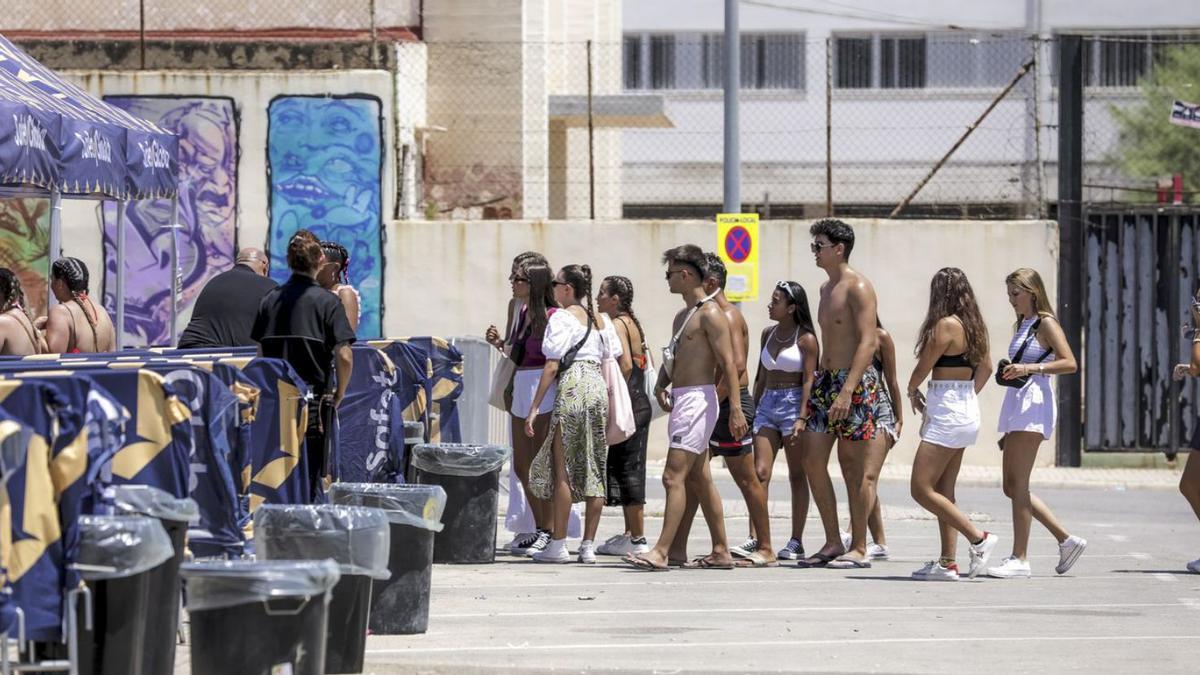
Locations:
(225, 310)
(302, 323)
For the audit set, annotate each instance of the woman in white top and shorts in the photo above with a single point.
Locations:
(570, 467)
(1038, 350)
(952, 346)
(781, 390)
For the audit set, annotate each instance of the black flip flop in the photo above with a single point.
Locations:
(817, 560)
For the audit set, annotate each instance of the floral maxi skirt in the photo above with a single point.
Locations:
(580, 415)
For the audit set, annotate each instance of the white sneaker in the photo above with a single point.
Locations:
(981, 552)
(619, 544)
(1069, 552)
(794, 550)
(639, 545)
(876, 551)
(539, 544)
(745, 549)
(935, 571)
(587, 552)
(1011, 567)
(1194, 566)
(847, 540)
(521, 542)
(555, 552)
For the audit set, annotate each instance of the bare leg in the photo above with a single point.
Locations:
(524, 450)
(679, 546)
(766, 446)
(861, 462)
(1020, 453)
(875, 519)
(679, 465)
(928, 466)
(593, 507)
(744, 474)
(945, 487)
(1189, 483)
(815, 460)
(561, 499)
(798, 480)
(635, 523)
(701, 484)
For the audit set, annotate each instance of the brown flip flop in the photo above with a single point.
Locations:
(641, 564)
(706, 563)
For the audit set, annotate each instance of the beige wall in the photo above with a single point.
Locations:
(450, 278)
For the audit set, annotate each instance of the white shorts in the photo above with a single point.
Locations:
(951, 417)
(525, 384)
(693, 417)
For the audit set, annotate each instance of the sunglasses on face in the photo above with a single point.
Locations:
(560, 283)
(517, 279)
(816, 246)
(669, 273)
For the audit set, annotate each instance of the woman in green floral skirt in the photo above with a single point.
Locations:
(570, 467)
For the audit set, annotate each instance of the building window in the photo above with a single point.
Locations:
(1122, 60)
(697, 61)
(852, 63)
(902, 63)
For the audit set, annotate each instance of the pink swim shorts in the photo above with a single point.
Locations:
(693, 417)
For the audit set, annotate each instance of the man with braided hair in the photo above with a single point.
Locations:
(76, 324)
(18, 336)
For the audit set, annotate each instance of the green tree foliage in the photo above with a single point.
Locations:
(1150, 146)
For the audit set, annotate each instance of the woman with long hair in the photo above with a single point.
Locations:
(533, 286)
(75, 324)
(334, 276)
(952, 345)
(18, 335)
(787, 361)
(570, 466)
(1189, 483)
(1038, 350)
(627, 460)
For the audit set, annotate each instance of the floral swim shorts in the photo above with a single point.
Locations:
(866, 405)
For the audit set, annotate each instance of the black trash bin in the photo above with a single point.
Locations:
(470, 475)
(400, 605)
(162, 619)
(117, 559)
(356, 538)
(259, 617)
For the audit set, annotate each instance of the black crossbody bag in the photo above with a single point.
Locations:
(569, 358)
(1004, 363)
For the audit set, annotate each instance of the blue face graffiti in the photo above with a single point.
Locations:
(324, 159)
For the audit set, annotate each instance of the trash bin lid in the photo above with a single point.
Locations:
(356, 537)
(112, 547)
(459, 459)
(414, 432)
(150, 501)
(219, 584)
(414, 505)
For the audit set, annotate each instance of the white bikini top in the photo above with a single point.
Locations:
(790, 359)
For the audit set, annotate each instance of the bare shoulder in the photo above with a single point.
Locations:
(860, 286)
(807, 341)
(885, 338)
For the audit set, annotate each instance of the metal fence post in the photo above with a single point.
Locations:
(829, 127)
(1070, 246)
(733, 80)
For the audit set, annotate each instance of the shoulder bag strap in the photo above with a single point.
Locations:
(1028, 337)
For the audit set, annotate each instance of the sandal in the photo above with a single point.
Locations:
(706, 563)
(844, 563)
(756, 560)
(644, 565)
(817, 559)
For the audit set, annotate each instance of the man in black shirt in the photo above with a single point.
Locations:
(305, 325)
(225, 309)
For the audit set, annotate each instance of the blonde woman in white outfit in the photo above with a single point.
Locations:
(1038, 350)
(952, 346)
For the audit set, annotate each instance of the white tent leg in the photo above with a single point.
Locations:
(119, 291)
(55, 247)
(174, 269)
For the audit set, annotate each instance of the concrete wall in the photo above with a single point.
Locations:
(450, 278)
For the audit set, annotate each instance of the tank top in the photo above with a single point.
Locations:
(1034, 352)
(532, 344)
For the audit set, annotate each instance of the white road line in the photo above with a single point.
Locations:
(523, 647)
(1191, 602)
(1139, 556)
(813, 608)
(1165, 576)
(767, 578)
(1117, 537)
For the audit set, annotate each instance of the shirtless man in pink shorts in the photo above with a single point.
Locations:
(701, 344)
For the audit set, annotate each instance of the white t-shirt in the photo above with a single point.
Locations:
(563, 331)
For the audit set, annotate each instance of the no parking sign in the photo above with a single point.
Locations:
(737, 244)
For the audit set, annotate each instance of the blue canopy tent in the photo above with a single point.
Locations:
(58, 141)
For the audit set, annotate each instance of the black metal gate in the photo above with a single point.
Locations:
(1141, 267)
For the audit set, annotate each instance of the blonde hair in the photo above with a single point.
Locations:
(1030, 281)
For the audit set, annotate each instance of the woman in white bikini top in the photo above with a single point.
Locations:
(789, 359)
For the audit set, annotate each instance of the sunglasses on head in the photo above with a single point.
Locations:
(785, 288)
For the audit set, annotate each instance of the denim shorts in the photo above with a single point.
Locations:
(778, 409)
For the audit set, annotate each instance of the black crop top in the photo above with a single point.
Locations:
(954, 361)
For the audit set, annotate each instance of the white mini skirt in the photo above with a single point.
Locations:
(1030, 408)
(951, 417)
(525, 384)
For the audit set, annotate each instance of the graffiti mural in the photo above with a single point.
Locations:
(208, 157)
(324, 164)
(24, 241)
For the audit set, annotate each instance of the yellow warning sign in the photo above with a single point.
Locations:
(737, 244)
